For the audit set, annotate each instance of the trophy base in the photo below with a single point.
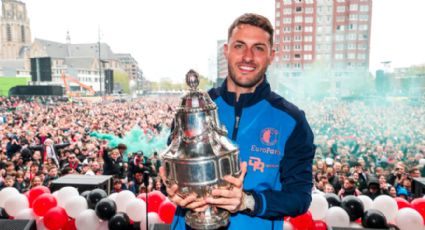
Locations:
(211, 218)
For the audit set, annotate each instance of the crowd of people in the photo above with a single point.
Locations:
(361, 148)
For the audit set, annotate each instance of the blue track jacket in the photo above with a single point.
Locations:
(276, 141)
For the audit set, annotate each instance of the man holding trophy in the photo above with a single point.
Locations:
(273, 136)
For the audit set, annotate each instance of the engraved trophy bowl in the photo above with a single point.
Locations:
(200, 154)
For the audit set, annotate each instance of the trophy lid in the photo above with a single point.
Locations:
(195, 100)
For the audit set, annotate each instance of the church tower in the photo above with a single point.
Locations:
(15, 32)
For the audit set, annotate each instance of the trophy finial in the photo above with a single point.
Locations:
(192, 79)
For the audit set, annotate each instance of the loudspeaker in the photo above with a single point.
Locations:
(41, 69)
(83, 183)
(109, 81)
(18, 224)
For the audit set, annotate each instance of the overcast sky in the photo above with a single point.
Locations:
(168, 37)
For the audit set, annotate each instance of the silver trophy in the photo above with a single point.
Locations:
(200, 155)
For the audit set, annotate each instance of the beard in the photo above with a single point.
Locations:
(246, 84)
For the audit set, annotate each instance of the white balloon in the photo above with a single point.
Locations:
(367, 202)
(113, 196)
(15, 204)
(287, 226)
(6, 193)
(337, 217)
(87, 220)
(103, 225)
(136, 209)
(409, 218)
(75, 205)
(153, 218)
(123, 198)
(318, 206)
(66, 193)
(387, 205)
(25, 214)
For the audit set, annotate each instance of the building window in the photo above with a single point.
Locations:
(363, 37)
(308, 29)
(277, 5)
(297, 56)
(351, 46)
(308, 57)
(298, 28)
(354, 7)
(361, 56)
(309, 1)
(340, 19)
(363, 27)
(9, 33)
(286, 57)
(287, 38)
(354, 17)
(287, 20)
(340, 27)
(287, 11)
(277, 14)
(363, 17)
(351, 55)
(339, 37)
(298, 19)
(309, 19)
(352, 37)
(364, 8)
(308, 38)
(277, 22)
(352, 27)
(298, 9)
(309, 10)
(297, 65)
(339, 47)
(340, 9)
(287, 29)
(297, 38)
(297, 47)
(308, 47)
(286, 48)
(339, 56)
(22, 33)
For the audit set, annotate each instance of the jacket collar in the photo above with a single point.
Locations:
(246, 99)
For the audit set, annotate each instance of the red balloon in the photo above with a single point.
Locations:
(166, 212)
(36, 192)
(55, 218)
(70, 225)
(402, 203)
(303, 222)
(419, 205)
(142, 196)
(43, 203)
(155, 199)
(319, 225)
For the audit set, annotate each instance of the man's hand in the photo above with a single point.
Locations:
(190, 202)
(230, 200)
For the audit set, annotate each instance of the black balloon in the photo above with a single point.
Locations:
(106, 209)
(95, 196)
(333, 200)
(119, 221)
(353, 206)
(373, 218)
(3, 213)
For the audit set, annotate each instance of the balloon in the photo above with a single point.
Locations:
(373, 218)
(75, 205)
(333, 200)
(402, 203)
(409, 218)
(16, 203)
(287, 226)
(113, 196)
(6, 193)
(319, 225)
(142, 196)
(95, 196)
(304, 221)
(87, 220)
(36, 192)
(136, 210)
(386, 205)
(366, 201)
(155, 199)
(106, 209)
(419, 205)
(66, 193)
(103, 225)
(353, 206)
(3, 214)
(318, 206)
(70, 225)
(123, 198)
(25, 214)
(43, 203)
(85, 194)
(119, 221)
(167, 210)
(153, 218)
(55, 218)
(337, 217)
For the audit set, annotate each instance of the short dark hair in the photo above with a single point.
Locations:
(253, 20)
